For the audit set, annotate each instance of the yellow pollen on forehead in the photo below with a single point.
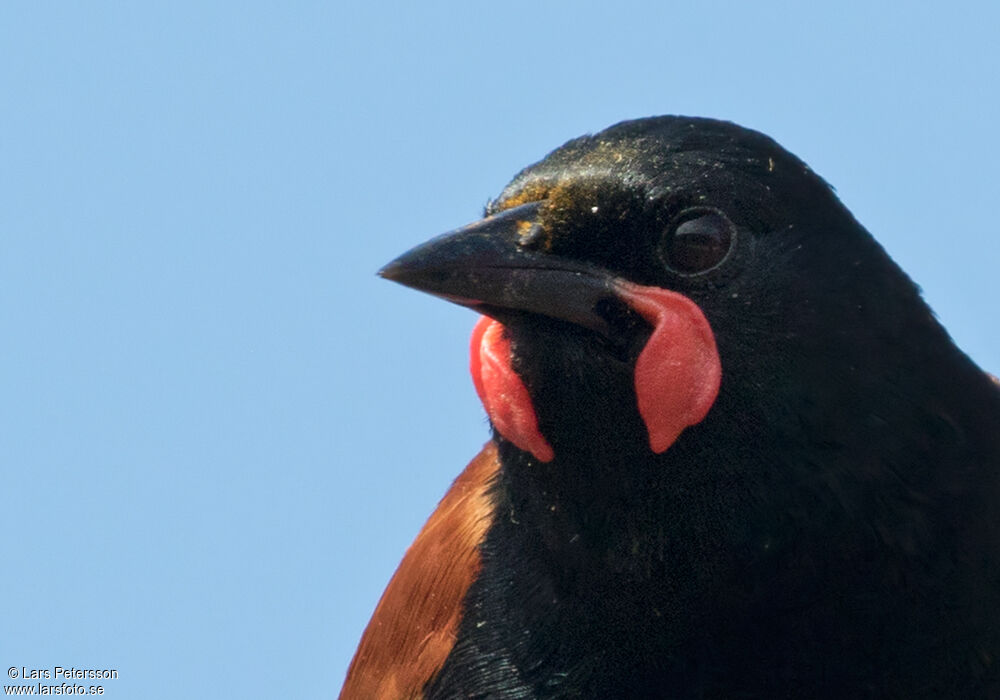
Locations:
(532, 192)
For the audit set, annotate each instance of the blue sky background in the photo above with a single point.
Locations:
(219, 430)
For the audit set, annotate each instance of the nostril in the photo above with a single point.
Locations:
(531, 236)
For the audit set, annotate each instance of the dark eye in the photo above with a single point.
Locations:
(697, 240)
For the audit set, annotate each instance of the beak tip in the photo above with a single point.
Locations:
(391, 271)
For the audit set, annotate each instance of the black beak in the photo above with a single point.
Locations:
(492, 267)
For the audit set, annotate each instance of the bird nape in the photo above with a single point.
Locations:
(733, 453)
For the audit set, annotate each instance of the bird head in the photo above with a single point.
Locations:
(665, 282)
(730, 437)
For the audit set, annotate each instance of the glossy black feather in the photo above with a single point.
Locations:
(831, 529)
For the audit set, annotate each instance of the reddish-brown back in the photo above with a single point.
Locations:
(415, 623)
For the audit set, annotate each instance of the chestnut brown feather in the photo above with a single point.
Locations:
(415, 623)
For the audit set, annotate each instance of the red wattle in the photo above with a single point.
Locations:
(502, 392)
(678, 372)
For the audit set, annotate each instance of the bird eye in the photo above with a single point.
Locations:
(697, 240)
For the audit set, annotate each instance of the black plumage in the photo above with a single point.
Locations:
(830, 529)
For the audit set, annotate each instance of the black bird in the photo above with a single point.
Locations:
(734, 455)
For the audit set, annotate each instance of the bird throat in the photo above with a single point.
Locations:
(677, 373)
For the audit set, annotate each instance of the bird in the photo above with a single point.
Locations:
(732, 453)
